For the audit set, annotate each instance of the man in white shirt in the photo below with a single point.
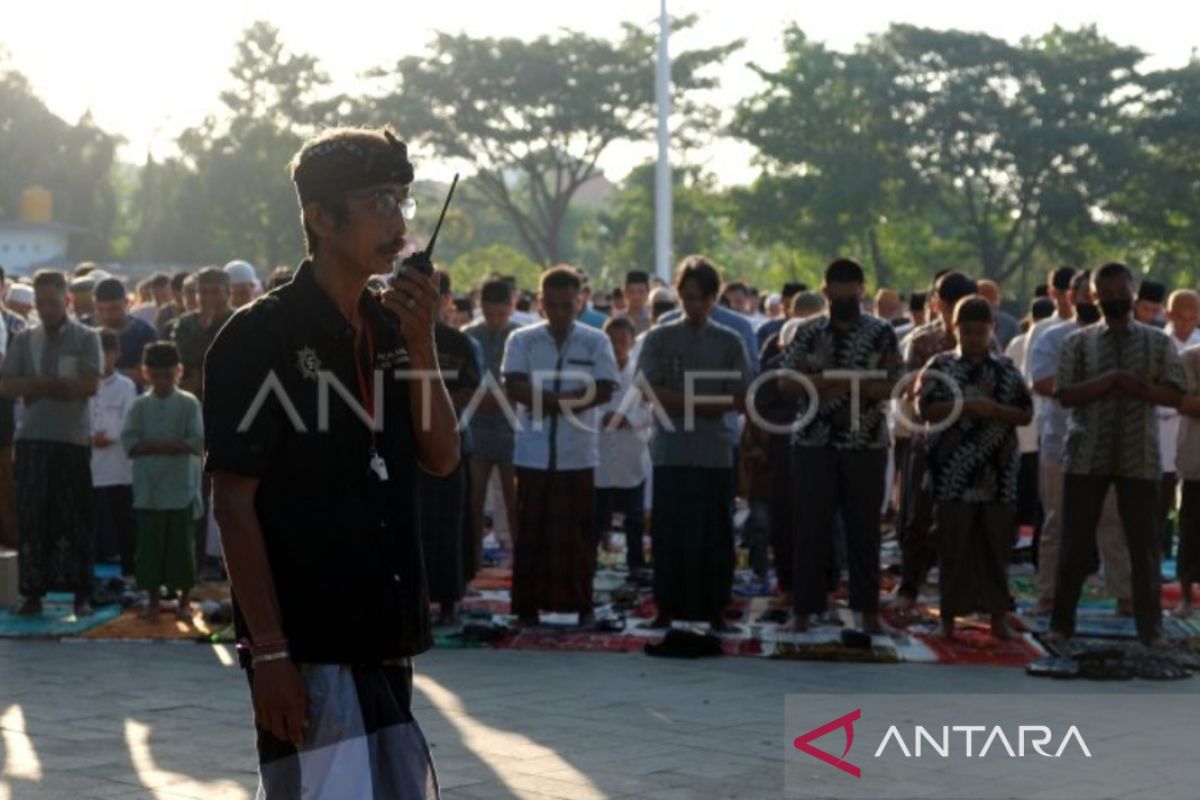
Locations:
(557, 372)
(112, 471)
(1183, 314)
(624, 451)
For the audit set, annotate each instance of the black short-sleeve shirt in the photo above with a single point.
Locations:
(344, 547)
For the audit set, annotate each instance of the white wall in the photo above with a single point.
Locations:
(21, 249)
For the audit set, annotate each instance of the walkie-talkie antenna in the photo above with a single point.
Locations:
(441, 219)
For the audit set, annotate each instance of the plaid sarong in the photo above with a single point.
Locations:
(554, 556)
(363, 742)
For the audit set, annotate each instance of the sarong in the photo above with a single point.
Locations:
(975, 543)
(55, 513)
(362, 740)
(554, 557)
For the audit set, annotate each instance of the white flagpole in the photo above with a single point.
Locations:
(662, 184)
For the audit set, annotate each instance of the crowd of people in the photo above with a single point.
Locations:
(101, 428)
(831, 413)
(948, 418)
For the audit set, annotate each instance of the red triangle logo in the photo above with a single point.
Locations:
(846, 723)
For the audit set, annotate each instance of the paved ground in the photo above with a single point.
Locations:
(110, 720)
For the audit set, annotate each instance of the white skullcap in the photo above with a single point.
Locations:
(241, 272)
(20, 293)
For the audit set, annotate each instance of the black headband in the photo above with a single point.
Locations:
(333, 168)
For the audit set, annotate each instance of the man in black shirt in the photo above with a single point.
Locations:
(316, 430)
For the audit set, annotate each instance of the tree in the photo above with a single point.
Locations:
(624, 231)
(1158, 205)
(74, 162)
(826, 138)
(534, 117)
(230, 181)
(470, 269)
(1022, 146)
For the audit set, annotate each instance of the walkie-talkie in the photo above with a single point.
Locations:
(422, 260)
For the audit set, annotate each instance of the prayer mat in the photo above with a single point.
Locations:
(56, 620)
(128, 625)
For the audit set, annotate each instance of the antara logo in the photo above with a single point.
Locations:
(802, 742)
(994, 738)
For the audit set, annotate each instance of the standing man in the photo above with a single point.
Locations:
(492, 432)
(12, 324)
(840, 453)
(1111, 376)
(1007, 326)
(54, 368)
(1188, 462)
(317, 417)
(1148, 307)
(243, 282)
(693, 459)
(917, 546)
(193, 331)
(193, 334)
(637, 296)
(1183, 312)
(624, 462)
(112, 311)
(1052, 421)
(554, 371)
(444, 498)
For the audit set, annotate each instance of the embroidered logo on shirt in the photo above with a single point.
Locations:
(308, 363)
(392, 359)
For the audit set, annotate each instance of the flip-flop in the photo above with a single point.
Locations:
(1104, 667)
(1159, 668)
(1058, 667)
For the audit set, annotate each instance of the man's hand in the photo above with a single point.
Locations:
(1130, 383)
(413, 300)
(280, 701)
(100, 441)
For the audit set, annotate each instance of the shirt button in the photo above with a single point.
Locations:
(396, 578)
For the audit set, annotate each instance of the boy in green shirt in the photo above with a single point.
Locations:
(164, 436)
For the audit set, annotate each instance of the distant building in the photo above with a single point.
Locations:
(35, 240)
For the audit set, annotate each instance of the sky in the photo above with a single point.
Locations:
(147, 69)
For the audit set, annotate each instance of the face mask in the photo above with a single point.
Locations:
(1087, 313)
(1116, 309)
(845, 309)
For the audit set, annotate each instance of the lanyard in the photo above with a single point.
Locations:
(366, 389)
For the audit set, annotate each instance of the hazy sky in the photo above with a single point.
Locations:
(148, 68)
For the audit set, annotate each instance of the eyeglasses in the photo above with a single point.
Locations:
(385, 203)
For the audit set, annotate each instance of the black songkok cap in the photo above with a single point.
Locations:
(349, 160)
(1152, 291)
(109, 289)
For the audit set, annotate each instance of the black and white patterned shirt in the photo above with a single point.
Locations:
(974, 460)
(1117, 435)
(819, 347)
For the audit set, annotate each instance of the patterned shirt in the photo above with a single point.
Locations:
(974, 460)
(818, 347)
(1116, 435)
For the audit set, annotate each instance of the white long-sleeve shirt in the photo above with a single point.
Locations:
(625, 452)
